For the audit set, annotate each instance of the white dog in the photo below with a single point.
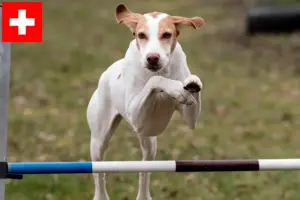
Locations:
(145, 88)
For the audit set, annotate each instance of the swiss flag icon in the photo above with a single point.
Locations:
(22, 22)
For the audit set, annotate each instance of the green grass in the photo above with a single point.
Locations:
(250, 104)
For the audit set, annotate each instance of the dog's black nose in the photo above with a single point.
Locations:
(153, 58)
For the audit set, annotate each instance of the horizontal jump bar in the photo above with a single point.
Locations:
(152, 166)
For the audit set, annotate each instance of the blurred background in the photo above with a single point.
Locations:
(250, 107)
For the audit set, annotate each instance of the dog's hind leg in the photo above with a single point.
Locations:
(103, 120)
(148, 147)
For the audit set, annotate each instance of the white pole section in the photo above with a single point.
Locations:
(278, 164)
(134, 166)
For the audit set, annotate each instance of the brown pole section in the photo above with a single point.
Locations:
(216, 165)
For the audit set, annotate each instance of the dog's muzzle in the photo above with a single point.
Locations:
(153, 62)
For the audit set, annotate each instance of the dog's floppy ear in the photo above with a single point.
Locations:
(125, 16)
(194, 22)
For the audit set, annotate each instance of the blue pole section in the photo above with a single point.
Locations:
(50, 167)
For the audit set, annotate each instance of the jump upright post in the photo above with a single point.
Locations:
(4, 96)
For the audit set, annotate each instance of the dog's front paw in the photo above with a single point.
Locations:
(179, 94)
(184, 97)
(192, 84)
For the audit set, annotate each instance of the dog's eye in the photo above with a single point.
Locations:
(166, 35)
(142, 36)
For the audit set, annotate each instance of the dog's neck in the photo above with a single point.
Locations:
(133, 55)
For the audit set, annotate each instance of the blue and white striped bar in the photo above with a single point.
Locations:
(152, 166)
